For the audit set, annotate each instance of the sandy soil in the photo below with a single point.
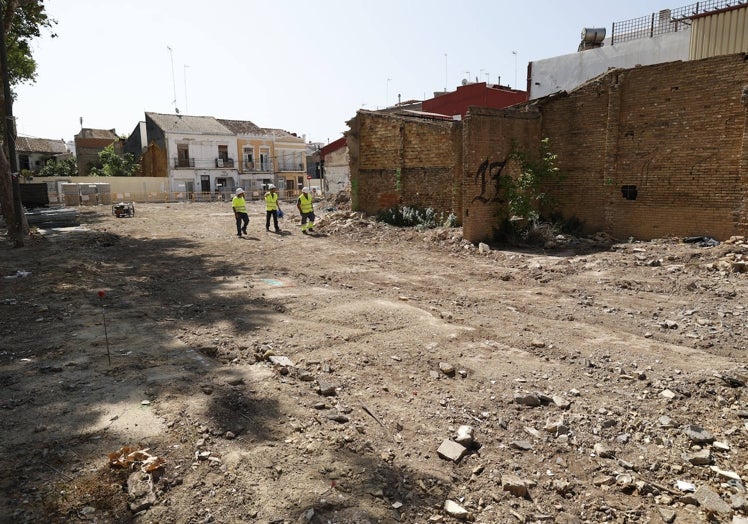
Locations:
(291, 378)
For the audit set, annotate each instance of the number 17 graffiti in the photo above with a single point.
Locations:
(489, 175)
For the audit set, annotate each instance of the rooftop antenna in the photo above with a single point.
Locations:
(446, 74)
(173, 81)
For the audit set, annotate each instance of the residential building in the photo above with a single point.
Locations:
(198, 153)
(694, 31)
(33, 153)
(90, 142)
(335, 166)
(479, 94)
(268, 156)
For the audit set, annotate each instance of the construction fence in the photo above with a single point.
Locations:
(93, 191)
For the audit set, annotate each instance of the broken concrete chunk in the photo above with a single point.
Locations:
(700, 458)
(667, 394)
(523, 445)
(603, 451)
(527, 400)
(711, 501)
(465, 436)
(338, 417)
(698, 435)
(726, 474)
(447, 368)
(326, 387)
(280, 361)
(453, 509)
(514, 485)
(451, 450)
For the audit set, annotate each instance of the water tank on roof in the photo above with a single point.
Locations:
(593, 35)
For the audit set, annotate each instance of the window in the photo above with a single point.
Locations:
(249, 158)
(223, 153)
(183, 155)
(265, 159)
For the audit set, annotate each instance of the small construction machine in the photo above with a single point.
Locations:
(123, 209)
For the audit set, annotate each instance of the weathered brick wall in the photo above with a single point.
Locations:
(646, 152)
(676, 131)
(404, 161)
(488, 138)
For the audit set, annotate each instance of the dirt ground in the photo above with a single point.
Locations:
(324, 379)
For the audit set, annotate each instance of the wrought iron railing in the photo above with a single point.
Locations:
(665, 21)
(290, 166)
(184, 163)
(202, 163)
(224, 162)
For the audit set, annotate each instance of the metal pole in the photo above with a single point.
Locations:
(186, 107)
(446, 75)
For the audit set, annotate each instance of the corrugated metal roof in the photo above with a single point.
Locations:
(26, 144)
(187, 124)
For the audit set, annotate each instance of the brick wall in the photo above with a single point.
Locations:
(647, 152)
(488, 137)
(404, 161)
(676, 132)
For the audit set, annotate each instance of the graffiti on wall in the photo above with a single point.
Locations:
(488, 177)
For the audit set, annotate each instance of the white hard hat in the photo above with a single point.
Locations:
(305, 189)
(239, 191)
(271, 186)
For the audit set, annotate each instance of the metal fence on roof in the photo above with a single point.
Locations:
(666, 20)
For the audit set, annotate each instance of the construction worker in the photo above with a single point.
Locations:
(271, 208)
(305, 205)
(239, 206)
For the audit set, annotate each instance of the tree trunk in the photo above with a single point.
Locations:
(6, 201)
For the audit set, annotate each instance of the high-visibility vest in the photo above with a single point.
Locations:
(271, 201)
(305, 203)
(239, 204)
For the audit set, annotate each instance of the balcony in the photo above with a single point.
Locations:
(184, 163)
(290, 166)
(203, 163)
(257, 167)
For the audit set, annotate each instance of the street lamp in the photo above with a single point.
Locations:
(515, 69)
(387, 96)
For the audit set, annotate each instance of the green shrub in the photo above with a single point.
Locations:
(528, 197)
(421, 218)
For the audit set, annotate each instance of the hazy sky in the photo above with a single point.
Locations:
(298, 65)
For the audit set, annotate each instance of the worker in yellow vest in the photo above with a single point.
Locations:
(305, 205)
(271, 208)
(239, 206)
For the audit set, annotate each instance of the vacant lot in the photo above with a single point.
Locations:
(603, 382)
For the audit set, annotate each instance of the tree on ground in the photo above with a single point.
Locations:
(112, 164)
(22, 21)
(63, 167)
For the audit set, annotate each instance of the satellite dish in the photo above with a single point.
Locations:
(464, 81)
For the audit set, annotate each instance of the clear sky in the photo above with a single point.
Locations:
(302, 66)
